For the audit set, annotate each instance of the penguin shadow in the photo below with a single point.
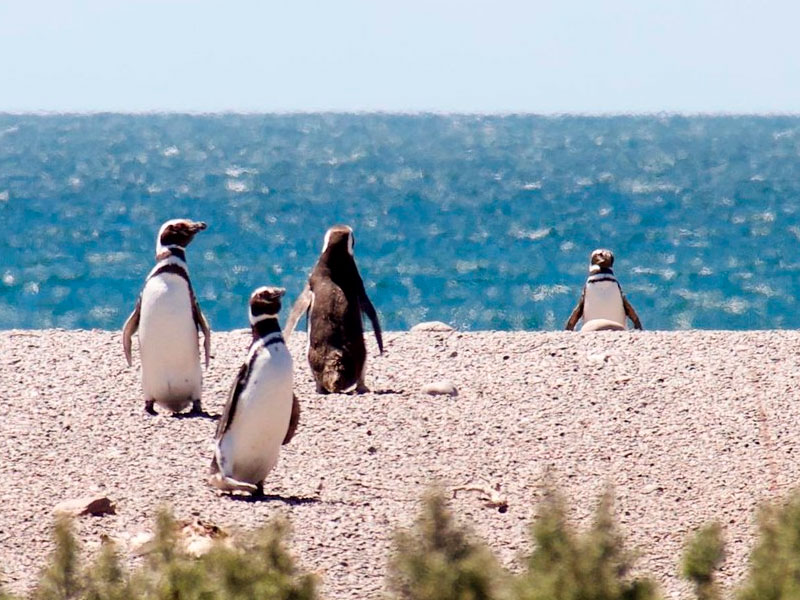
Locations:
(386, 392)
(357, 393)
(288, 500)
(197, 414)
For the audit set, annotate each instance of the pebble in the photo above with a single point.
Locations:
(440, 388)
(432, 326)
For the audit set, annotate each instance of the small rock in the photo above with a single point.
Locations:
(141, 543)
(199, 536)
(432, 326)
(196, 537)
(440, 388)
(88, 505)
(491, 495)
(598, 358)
(198, 546)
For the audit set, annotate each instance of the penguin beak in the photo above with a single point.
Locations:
(197, 226)
(268, 294)
(277, 293)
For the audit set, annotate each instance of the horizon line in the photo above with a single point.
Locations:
(443, 113)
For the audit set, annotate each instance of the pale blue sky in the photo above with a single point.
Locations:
(412, 55)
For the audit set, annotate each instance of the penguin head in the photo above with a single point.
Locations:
(338, 239)
(601, 259)
(177, 232)
(265, 303)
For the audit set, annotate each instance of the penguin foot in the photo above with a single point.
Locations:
(259, 491)
(228, 484)
(194, 412)
(361, 388)
(149, 407)
(321, 389)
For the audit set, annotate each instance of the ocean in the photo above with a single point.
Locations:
(484, 222)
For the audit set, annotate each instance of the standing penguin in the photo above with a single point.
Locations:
(262, 411)
(333, 299)
(602, 304)
(168, 317)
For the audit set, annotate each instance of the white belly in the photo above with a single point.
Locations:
(603, 300)
(249, 450)
(171, 373)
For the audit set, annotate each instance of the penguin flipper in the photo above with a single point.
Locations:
(300, 306)
(293, 421)
(202, 324)
(369, 309)
(213, 469)
(577, 312)
(630, 313)
(130, 327)
(233, 398)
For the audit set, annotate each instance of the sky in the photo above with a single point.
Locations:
(494, 56)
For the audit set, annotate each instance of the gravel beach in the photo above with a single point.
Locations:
(687, 427)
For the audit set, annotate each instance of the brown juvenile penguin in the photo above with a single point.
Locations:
(333, 300)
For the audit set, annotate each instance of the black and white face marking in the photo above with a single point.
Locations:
(601, 259)
(177, 233)
(265, 303)
(337, 235)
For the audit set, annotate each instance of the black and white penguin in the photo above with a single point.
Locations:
(602, 304)
(168, 318)
(334, 299)
(262, 411)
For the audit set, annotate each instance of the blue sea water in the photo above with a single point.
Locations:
(485, 222)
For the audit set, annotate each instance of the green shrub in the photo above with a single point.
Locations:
(259, 567)
(568, 566)
(438, 559)
(61, 579)
(170, 573)
(107, 579)
(701, 559)
(774, 571)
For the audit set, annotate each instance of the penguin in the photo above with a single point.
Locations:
(168, 318)
(262, 412)
(602, 305)
(333, 300)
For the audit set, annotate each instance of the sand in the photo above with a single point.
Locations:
(687, 426)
